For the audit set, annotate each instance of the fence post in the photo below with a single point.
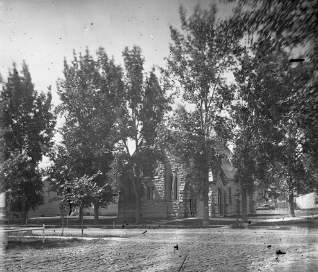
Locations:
(43, 238)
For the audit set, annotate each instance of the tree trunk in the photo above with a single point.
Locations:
(206, 202)
(96, 214)
(80, 214)
(244, 205)
(206, 189)
(291, 204)
(124, 204)
(138, 200)
(23, 212)
(62, 224)
(82, 218)
(136, 185)
(206, 209)
(138, 210)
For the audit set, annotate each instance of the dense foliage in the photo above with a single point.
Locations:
(199, 57)
(118, 119)
(27, 127)
(137, 151)
(89, 106)
(275, 145)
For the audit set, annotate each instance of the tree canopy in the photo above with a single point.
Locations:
(137, 152)
(267, 134)
(27, 129)
(289, 26)
(89, 93)
(200, 55)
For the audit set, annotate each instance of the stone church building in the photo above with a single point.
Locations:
(168, 194)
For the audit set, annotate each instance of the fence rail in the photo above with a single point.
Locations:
(18, 231)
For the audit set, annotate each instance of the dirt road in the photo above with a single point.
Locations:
(217, 249)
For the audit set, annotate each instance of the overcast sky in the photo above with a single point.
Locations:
(43, 32)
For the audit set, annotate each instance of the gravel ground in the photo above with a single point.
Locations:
(215, 249)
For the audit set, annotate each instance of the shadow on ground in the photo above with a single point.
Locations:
(30, 244)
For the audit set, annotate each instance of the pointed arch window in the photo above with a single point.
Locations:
(170, 187)
(175, 189)
(219, 196)
(230, 195)
(223, 178)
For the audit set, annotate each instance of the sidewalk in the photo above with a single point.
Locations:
(221, 221)
(284, 219)
(192, 222)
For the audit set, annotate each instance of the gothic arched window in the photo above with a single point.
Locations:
(175, 188)
(170, 186)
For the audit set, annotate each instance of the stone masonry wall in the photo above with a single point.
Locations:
(229, 207)
(163, 203)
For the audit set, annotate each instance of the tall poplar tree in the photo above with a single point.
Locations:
(200, 54)
(91, 96)
(27, 129)
(291, 26)
(145, 103)
(268, 143)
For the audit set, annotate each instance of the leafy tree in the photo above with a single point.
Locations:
(288, 25)
(267, 136)
(288, 173)
(199, 56)
(24, 185)
(145, 104)
(89, 95)
(184, 139)
(27, 130)
(279, 24)
(83, 191)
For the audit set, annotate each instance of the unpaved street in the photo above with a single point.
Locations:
(216, 249)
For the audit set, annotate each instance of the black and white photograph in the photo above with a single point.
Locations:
(158, 135)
